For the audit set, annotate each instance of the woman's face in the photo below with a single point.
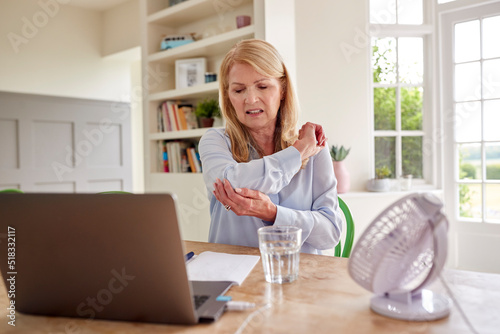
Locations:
(256, 98)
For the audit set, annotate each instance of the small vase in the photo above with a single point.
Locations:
(343, 177)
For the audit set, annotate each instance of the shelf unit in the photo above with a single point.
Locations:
(214, 24)
(212, 45)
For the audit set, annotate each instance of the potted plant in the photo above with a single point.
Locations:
(381, 181)
(206, 110)
(382, 172)
(341, 172)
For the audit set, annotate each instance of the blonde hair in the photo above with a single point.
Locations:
(266, 60)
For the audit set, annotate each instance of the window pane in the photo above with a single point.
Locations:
(467, 82)
(412, 156)
(384, 104)
(493, 202)
(410, 12)
(383, 11)
(411, 108)
(467, 41)
(384, 60)
(491, 27)
(491, 79)
(385, 153)
(411, 59)
(468, 122)
(470, 197)
(491, 120)
(492, 152)
(469, 162)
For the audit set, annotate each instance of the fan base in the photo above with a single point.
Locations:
(424, 306)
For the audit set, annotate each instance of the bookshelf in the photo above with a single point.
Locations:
(214, 24)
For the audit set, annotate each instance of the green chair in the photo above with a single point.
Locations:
(12, 191)
(349, 236)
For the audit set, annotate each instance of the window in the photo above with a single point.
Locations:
(470, 110)
(399, 53)
(476, 99)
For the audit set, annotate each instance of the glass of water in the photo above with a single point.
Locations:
(279, 247)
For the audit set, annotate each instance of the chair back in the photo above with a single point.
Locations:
(14, 191)
(349, 235)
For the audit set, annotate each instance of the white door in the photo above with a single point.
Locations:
(470, 72)
(66, 145)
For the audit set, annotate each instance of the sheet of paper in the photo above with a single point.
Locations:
(212, 266)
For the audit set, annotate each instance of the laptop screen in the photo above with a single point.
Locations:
(93, 256)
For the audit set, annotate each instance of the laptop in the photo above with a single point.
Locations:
(101, 256)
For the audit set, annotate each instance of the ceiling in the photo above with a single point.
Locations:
(98, 5)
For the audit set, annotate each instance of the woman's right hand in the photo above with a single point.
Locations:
(311, 140)
(245, 202)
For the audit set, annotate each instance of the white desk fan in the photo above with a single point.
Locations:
(402, 251)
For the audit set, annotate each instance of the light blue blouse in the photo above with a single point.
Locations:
(306, 198)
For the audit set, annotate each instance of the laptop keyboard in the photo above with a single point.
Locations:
(199, 300)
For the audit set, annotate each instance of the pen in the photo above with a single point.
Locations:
(188, 256)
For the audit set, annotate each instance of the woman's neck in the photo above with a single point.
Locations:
(265, 140)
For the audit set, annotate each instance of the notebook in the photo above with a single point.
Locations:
(96, 256)
(213, 266)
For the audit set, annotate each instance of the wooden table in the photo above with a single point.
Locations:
(323, 300)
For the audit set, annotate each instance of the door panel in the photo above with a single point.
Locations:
(470, 72)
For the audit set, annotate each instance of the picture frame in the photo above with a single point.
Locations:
(190, 72)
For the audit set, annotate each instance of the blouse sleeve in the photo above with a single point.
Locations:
(322, 225)
(268, 175)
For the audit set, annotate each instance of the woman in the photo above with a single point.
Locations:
(258, 171)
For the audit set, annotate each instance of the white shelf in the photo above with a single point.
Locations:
(189, 11)
(218, 44)
(194, 92)
(183, 134)
(163, 175)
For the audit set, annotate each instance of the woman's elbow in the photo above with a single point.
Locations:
(328, 239)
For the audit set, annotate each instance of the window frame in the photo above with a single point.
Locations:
(427, 32)
(452, 184)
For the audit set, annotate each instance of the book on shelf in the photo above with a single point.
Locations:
(164, 157)
(164, 124)
(159, 119)
(178, 157)
(173, 116)
(172, 113)
(192, 166)
(187, 111)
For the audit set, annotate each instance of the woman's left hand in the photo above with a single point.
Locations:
(244, 201)
(311, 140)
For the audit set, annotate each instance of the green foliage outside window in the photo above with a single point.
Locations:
(464, 199)
(468, 171)
(385, 153)
(411, 108)
(412, 163)
(384, 100)
(493, 172)
(464, 192)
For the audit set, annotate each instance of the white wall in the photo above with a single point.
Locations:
(334, 89)
(333, 85)
(137, 127)
(57, 50)
(121, 29)
(280, 15)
